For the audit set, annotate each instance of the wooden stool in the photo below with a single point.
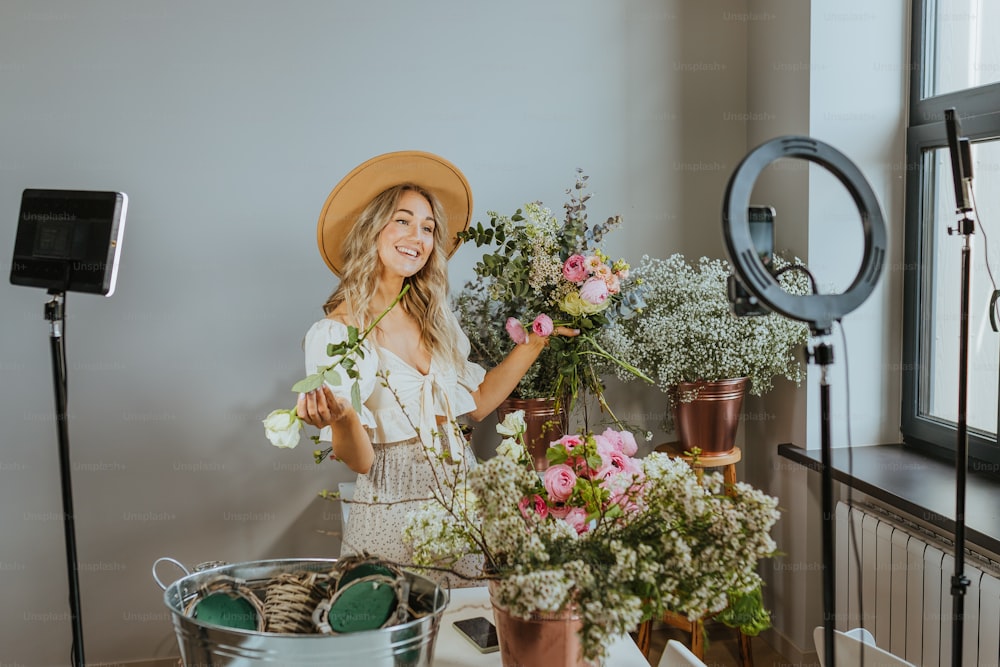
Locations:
(726, 461)
(680, 621)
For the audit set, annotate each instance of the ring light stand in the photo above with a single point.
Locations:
(819, 311)
(961, 169)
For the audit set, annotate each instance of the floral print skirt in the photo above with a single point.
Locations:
(400, 480)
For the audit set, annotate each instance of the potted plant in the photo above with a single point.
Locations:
(695, 349)
(598, 543)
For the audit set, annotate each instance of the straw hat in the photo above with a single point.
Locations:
(374, 176)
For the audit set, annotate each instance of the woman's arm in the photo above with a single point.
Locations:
(503, 378)
(349, 438)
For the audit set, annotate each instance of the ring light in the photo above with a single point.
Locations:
(820, 310)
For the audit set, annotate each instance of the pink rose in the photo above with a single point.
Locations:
(624, 441)
(577, 517)
(535, 504)
(623, 464)
(516, 330)
(542, 326)
(560, 510)
(559, 480)
(569, 442)
(594, 291)
(605, 448)
(614, 285)
(574, 270)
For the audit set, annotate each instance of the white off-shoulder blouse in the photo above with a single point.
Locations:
(444, 391)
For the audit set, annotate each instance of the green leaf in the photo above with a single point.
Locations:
(307, 384)
(556, 455)
(332, 376)
(352, 335)
(356, 397)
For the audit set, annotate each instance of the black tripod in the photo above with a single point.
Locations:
(55, 314)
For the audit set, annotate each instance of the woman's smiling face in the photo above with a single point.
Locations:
(407, 241)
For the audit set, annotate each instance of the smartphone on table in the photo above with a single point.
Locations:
(480, 632)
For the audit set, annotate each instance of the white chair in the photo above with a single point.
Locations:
(676, 654)
(856, 647)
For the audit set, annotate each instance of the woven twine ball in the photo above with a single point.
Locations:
(290, 599)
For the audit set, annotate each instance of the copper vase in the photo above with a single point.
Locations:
(711, 420)
(544, 424)
(544, 640)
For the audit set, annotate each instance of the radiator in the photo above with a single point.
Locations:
(905, 574)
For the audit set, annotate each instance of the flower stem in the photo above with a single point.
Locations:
(601, 352)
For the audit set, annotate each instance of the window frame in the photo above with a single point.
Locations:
(979, 113)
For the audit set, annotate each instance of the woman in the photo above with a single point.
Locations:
(385, 226)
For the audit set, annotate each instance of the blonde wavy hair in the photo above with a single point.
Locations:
(427, 299)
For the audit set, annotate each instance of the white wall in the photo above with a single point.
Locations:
(227, 123)
(834, 71)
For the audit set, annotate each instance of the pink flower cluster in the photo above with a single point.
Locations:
(594, 277)
(542, 326)
(589, 476)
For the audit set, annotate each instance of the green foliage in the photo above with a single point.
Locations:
(746, 611)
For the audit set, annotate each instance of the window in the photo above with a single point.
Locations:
(956, 63)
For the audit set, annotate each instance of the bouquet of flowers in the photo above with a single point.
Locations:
(618, 537)
(546, 273)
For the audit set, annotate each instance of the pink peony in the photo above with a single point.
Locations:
(516, 330)
(559, 481)
(594, 291)
(574, 270)
(624, 441)
(542, 326)
(535, 504)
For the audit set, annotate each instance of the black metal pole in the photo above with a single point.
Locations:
(959, 582)
(823, 356)
(54, 313)
(828, 561)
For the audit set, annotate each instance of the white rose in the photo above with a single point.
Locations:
(513, 424)
(282, 428)
(511, 448)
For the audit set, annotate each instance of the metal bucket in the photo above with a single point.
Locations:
(204, 644)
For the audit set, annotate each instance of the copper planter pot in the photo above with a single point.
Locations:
(544, 640)
(544, 424)
(711, 420)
